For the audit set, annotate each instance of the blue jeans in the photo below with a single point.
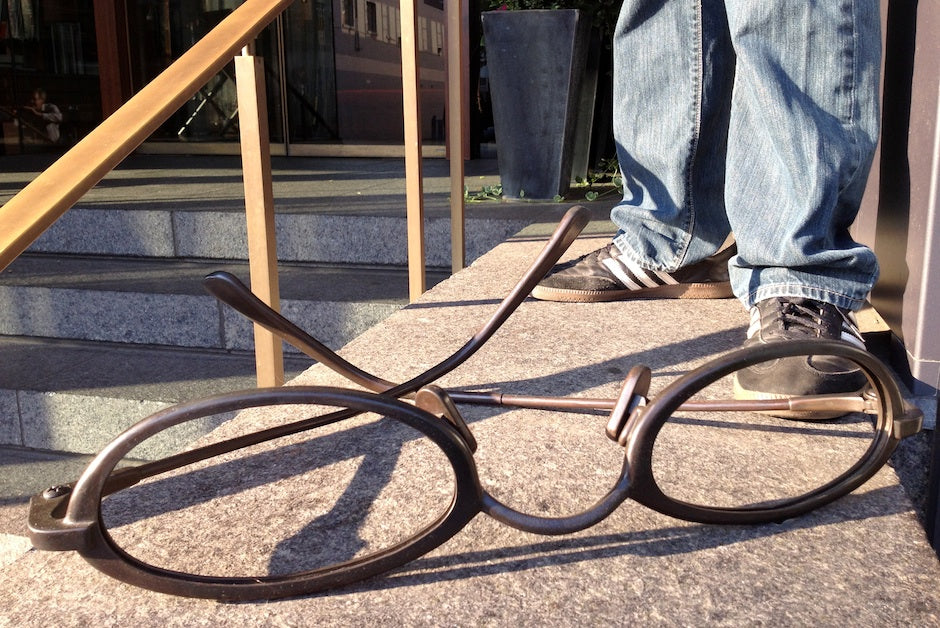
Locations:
(757, 117)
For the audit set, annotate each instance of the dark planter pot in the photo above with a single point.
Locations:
(536, 62)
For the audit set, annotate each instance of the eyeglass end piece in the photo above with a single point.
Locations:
(49, 529)
(909, 423)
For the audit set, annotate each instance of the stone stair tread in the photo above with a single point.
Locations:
(326, 210)
(138, 372)
(23, 473)
(72, 396)
(162, 301)
(351, 186)
(315, 282)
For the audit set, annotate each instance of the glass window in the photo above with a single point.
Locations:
(310, 73)
(372, 25)
(161, 31)
(49, 92)
(349, 13)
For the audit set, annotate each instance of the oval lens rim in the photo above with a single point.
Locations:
(647, 425)
(101, 550)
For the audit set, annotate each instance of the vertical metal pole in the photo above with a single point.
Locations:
(259, 209)
(412, 112)
(282, 81)
(458, 78)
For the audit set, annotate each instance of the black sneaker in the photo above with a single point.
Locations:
(790, 318)
(605, 275)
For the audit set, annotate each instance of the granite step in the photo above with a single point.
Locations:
(89, 345)
(162, 302)
(301, 236)
(330, 211)
(75, 396)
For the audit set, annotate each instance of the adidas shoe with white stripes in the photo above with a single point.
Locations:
(790, 318)
(605, 275)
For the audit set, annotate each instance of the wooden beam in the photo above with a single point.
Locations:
(114, 71)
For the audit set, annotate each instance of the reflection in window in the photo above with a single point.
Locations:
(48, 47)
(349, 13)
(371, 19)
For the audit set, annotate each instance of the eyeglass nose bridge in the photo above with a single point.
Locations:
(633, 395)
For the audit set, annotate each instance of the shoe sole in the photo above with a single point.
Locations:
(756, 395)
(708, 290)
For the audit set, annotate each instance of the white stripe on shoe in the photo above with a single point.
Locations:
(850, 330)
(651, 279)
(618, 271)
(851, 338)
(754, 327)
(634, 277)
(665, 277)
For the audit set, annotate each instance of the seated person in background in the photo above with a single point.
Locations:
(47, 116)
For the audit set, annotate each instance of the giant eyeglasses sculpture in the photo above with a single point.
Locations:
(122, 515)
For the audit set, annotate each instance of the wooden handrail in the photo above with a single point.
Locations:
(34, 209)
(259, 209)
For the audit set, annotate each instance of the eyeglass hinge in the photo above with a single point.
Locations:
(435, 400)
(636, 386)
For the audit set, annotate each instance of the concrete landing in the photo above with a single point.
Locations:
(862, 561)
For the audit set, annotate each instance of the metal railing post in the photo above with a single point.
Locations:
(457, 89)
(259, 209)
(413, 184)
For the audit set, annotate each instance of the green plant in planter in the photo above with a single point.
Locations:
(486, 193)
(602, 180)
(603, 12)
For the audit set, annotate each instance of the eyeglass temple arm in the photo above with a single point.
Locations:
(441, 403)
(807, 403)
(228, 289)
(125, 477)
(231, 291)
(432, 399)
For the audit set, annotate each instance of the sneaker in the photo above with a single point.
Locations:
(790, 318)
(605, 275)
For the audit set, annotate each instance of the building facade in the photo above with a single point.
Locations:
(333, 70)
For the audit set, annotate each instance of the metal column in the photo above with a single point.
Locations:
(899, 215)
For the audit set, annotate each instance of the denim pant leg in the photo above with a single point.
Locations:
(782, 156)
(673, 72)
(804, 123)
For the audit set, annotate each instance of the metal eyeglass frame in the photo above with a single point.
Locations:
(68, 517)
